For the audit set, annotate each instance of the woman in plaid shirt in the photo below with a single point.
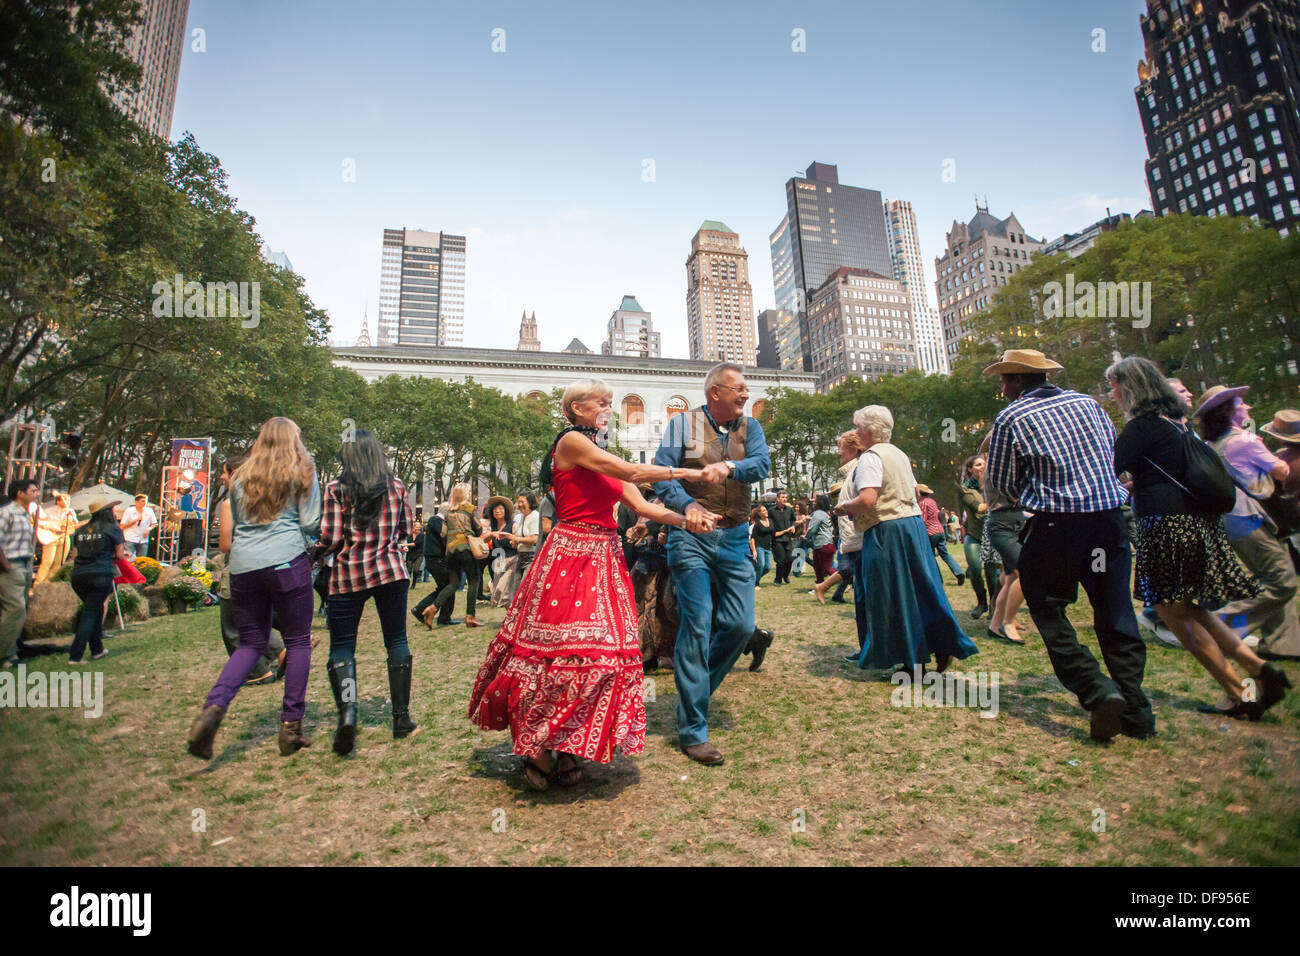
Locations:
(367, 521)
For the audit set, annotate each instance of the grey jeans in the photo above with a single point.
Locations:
(1273, 612)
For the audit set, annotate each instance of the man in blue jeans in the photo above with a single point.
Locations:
(711, 569)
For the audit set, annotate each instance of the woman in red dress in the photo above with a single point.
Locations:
(564, 672)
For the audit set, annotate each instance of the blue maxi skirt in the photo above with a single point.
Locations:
(908, 615)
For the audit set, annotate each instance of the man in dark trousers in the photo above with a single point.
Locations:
(782, 518)
(435, 563)
(1053, 452)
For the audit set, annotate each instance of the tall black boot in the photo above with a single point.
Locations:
(343, 681)
(981, 596)
(399, 688)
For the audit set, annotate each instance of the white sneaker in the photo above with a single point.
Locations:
(1251, 641)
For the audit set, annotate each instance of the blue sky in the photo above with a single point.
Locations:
(536, 153)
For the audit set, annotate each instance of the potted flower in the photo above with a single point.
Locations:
(149, 568)
(187, 591)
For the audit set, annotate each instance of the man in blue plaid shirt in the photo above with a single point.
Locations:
(1053, 450)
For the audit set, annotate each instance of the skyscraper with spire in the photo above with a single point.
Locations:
(363, 340)
(528, 340)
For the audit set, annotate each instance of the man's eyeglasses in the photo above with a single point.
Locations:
(741, 390)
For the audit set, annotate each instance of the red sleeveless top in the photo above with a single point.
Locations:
(585, 495)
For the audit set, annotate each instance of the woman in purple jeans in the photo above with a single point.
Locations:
(275, 504)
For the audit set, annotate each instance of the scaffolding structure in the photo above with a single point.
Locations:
(29, 447)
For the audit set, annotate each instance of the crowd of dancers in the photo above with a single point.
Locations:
(621, 568)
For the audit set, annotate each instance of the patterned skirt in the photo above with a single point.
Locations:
(1186, 557)
(565, 671)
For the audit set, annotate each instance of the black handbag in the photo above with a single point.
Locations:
(1207, 480)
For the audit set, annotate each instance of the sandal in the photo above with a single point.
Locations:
(533, 773)
(570, 776)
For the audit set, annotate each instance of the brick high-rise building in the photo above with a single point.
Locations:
(827, 225)
(528, 340)
(719, 299)
(982, 256)
(905, 251)
(630, 332)
(1219, 98)
(421, 288)
(156, 44)
(860, 323)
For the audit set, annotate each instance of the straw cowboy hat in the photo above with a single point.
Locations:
(1216, 396)
(924, 489)
(97, 505)
(1022, 362)
(1285, 426)
(500, 500)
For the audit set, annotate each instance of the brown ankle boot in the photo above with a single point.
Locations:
(204, 730)
(292, 738)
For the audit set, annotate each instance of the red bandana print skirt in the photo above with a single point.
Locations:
(564, 672)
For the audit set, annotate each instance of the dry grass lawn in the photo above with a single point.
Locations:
(821, 769)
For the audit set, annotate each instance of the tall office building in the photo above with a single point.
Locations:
(1219, 98)
(826, 226)
(719, 299)
(860, 323)
(421, 288)
(528, 340)
(156, 44)
(630, 332)
(768, 321)
(905, 252)
(982, 256)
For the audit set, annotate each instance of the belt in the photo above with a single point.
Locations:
(26, 558)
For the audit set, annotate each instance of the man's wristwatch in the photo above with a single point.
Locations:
(731, 466)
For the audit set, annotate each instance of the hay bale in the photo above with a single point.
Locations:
(153, 595)
(169, 572)
(52, 609)
(135, 607)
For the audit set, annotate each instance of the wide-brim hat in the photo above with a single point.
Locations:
(1216, 396)
(925, 489)
(835, 488)
(1023, 362)
(97, 505)
(1285, 426)
(499, 500)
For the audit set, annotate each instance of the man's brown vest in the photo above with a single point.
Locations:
(729, 498)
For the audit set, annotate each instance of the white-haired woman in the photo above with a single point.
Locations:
(896, 560)
(564, 673)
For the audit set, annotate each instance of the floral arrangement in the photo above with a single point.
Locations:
(149, 568)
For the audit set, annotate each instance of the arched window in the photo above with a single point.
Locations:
(536, 396)
(676, 405)
(756, 411)
(633, 411)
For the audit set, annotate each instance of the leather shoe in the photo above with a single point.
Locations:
(759, 643)
(204, 730)
(704, 753)
(1104, 720)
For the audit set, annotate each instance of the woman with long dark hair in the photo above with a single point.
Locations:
(275, 505)
(1185, 566)
(95, 545)
(367, 519)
